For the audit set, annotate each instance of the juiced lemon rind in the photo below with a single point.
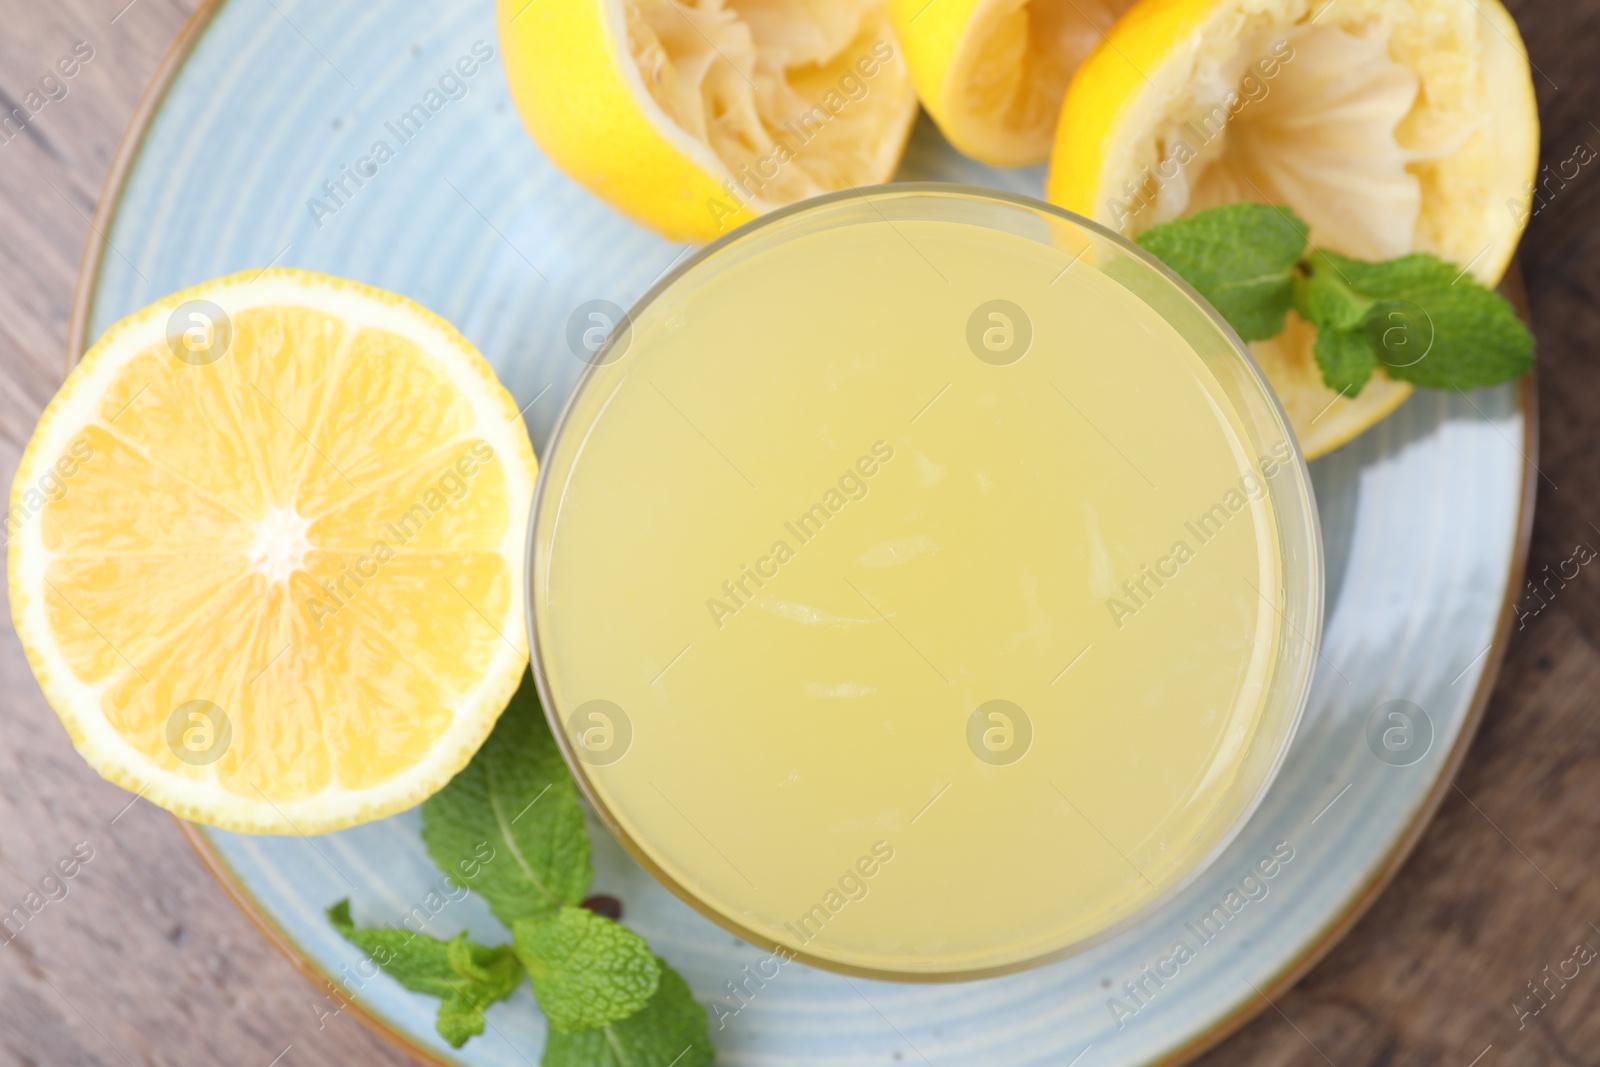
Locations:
(693, 119)
(1392, 126)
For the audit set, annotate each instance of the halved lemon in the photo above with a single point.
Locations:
(1391, 126)
(265, 552)
(695, 117)
(992, 73)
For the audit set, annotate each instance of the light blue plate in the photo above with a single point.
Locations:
(1423, 518)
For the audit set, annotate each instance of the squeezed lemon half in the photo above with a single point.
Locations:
(1390, 126)
(692, 118)
(265, 552)
(992, 73)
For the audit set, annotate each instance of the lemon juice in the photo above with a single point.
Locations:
(923, 583)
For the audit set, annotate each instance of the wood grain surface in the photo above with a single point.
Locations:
(145, 961)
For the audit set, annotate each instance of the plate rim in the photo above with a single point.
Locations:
(1219, 1029)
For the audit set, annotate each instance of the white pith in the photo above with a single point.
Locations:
(280, 544)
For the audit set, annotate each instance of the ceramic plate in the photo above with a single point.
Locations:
(1425, 520)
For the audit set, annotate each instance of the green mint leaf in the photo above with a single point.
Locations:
(586, 969)
(1460, 337)
(509, 826)
(1347, 358)
(1345, 351)
(1393, 278)
(1433, 325)
(1241, 257)
(1324, 299)
(466, 977)
(669, 1031)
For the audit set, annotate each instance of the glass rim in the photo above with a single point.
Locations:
(1311, 636)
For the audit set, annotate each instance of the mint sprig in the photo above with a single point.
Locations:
(509, 827)
(1418, 318)
(466, 977)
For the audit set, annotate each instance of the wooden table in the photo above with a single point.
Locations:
(144, 961)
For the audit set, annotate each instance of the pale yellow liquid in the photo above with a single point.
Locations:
(787, 737)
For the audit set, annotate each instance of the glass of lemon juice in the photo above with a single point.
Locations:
(925, 583)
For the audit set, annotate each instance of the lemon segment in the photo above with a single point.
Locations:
(692, 118)
(277, 589)
(1390, 126)
(992, 73)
